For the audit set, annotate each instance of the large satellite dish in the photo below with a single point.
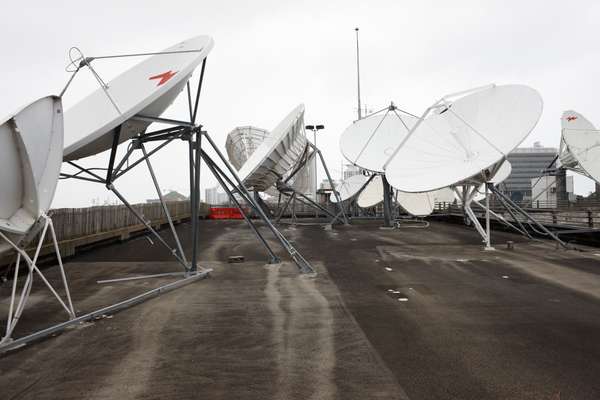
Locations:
(349, 187)
(241, 142)
(501, 174)
(464, 137)
(372, 194)
(30, 157)
(147, 90)
(277, 154)
(370, 141)
(580, 145)
(423, 204)
(31, 142)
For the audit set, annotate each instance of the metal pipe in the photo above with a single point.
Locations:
(163, 204)
(103, 311)
(113, 154)
(194, 114)
(335, 191)
(196, 201)
(273, 258)
(302, 263)
(358, 74)
(520, 210)
(112, 188)
(387, 208)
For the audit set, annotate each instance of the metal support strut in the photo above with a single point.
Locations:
(387, 202)
(221, 177)
(284, 188)
(300, 261)
(15, 311)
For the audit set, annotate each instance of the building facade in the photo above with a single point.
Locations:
(216, 196)
(351, 170)
(527, 163)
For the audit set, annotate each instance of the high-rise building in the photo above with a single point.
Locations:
(351, 170)
(216, 196)
(527, 163)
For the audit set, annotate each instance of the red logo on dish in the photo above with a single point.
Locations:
(163, 78)
(571, 119)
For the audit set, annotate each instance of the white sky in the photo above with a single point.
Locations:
(271, 55)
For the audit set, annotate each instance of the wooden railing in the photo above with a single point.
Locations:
(557, 217)
(79, 227)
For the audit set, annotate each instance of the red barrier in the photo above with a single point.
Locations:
(225, 213)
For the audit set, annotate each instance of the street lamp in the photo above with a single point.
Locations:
(315, 129)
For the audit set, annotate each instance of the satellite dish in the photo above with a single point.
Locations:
(31, 142)
(370, 141)
(349, 187)
(500, 176)
(423, 204)
(372, 194)
(464, 137)
(277, 154)
(147, 89)
(580, 145)
(242, 142)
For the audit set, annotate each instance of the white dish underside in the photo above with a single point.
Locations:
(147, 89)
(372, 194)
(369, 142)
(349, 187)
(277, 154)
(500, 176)
(464, 138)
(423, 204)
(31, 143)
(580, 145)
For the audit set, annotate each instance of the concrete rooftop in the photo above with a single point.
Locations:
(392, 314)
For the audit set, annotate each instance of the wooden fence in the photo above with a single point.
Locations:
(558, 218)
(83, 227)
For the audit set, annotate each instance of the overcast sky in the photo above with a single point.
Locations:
(270, 56)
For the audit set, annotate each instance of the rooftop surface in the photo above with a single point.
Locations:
(392, 314)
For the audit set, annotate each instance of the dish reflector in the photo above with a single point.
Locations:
(242, 142)
(147, 89)
(277, 154)
(580, 145)
(369, 142)
(31, 142)
(423, 204)
(500, 176)
(462, 138)
(349, 187)
(372, 194)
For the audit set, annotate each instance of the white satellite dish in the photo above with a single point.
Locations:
(500, 176)
(241, 142)
(147, 89)
(31, 142)
(580, 145)
(372, 194)
(423, 204)
(464, 137)
(277, 154)
(31, 149)
(370, 141)
(349, 187)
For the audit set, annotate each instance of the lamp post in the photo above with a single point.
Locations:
(315, 129)
(358, 74)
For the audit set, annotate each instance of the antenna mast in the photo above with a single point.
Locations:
(358, 74)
